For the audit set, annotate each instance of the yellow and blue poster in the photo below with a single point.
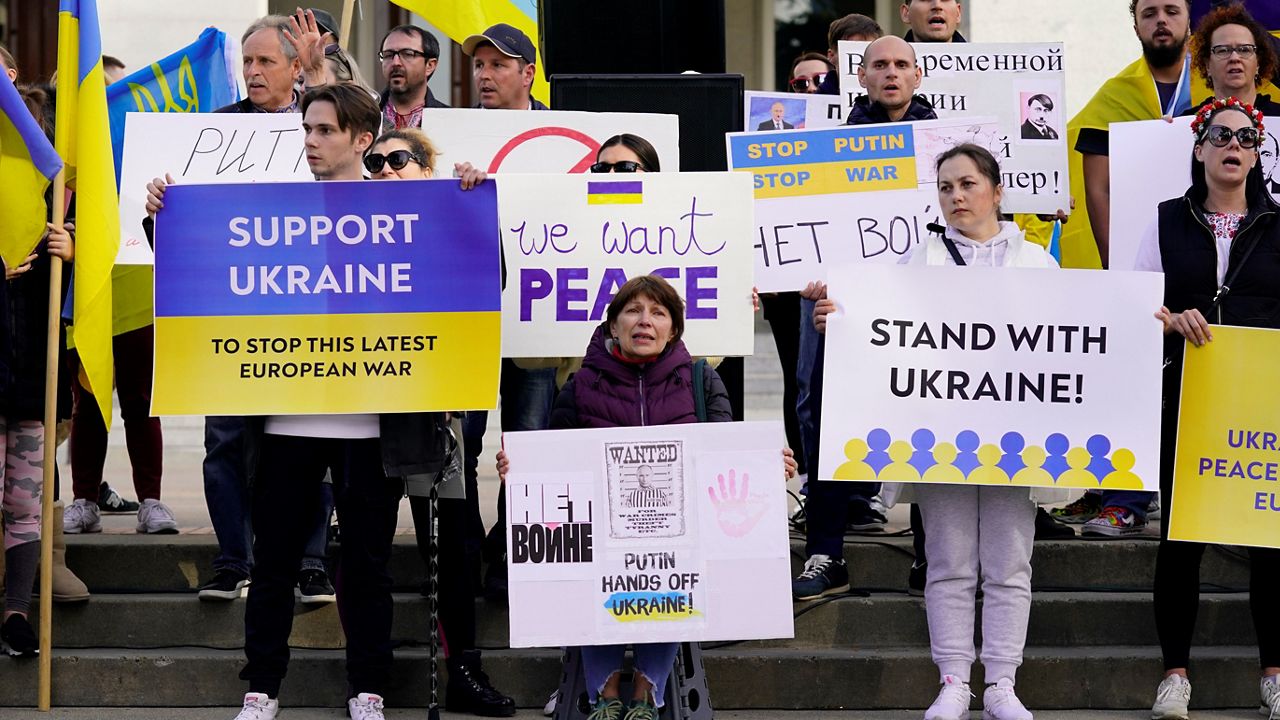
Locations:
(1226, 475)
(334, 297)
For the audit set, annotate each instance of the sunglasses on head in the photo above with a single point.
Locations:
(801, 84)
(1220, 136)
(622, 166)
(397, 159)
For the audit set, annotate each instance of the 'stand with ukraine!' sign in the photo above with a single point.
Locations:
(334, 297)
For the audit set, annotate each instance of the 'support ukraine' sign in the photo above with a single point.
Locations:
(1226, 478)
(335, 297)
(649, 534)
(202, 148)
(1020, 83)
(566, 259)
(852, 193)
(1047, 378)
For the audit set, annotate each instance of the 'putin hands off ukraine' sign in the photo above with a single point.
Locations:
(1226, 478)
(334, 297)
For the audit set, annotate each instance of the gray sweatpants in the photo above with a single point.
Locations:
(971, 530)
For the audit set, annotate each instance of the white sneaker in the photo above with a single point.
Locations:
(81, 516)
(365, 706)
(155, 518)
(1270, 697)
(952, 702)
(1172, 698)
(257, 706)
(1000, 703)
(550, 708)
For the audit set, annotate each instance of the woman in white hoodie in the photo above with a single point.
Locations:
(974, 535)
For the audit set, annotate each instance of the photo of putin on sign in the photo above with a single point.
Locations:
(777, 123)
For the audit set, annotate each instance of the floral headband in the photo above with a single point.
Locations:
(1201, 120)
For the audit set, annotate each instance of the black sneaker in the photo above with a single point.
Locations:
(225, 585)
(110, 502)
(1047, 528)
(821, 576)
(314, 588)
(863, 518)
(916, 579)
(17, 638)
(469, 689)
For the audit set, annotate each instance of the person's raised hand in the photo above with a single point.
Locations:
(308, 42)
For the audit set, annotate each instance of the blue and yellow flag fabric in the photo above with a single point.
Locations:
(460, 20)
(27, 164)
(82, 137)
(200, 77)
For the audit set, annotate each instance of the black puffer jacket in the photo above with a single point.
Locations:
(865, 112)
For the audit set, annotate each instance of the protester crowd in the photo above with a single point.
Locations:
(1215, 246)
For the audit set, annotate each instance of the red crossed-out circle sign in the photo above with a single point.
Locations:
(593, 147)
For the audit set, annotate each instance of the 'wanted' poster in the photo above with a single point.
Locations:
(646, 489)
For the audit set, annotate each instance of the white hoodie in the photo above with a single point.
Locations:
(1009, 248)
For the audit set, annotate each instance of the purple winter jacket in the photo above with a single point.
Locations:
(608, 392)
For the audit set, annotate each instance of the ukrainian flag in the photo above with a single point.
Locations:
(630, 192)
(460, 19)
(82, 136)
(27, 165)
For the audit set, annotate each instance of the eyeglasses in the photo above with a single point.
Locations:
(397, 159)
(622, 166)
(1220, 136)
(1224, 51)
(801, 84)
(405, 55)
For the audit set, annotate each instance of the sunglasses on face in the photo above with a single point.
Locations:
(1224, 51)
(801, 84)
(623, 166)
(1220, 136)
(397, 159)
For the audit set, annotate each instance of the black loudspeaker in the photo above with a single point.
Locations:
(708, 106)
(631, 36)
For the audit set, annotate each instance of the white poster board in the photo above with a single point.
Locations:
(672, 533)
(844, 194)
(1007, 80)
(1006, 376)
(566, 259)
(543, 141)
(1150, 163)
(205, 148)
(799, 111)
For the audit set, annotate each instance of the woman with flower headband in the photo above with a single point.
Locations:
(1219, 249)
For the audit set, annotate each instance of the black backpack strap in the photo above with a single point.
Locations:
(700, 390)
(941, 232)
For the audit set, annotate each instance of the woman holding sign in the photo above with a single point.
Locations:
(638, 372)
(1219, 249)
(975, 537)
(408, 154)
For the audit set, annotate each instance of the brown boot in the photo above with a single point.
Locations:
(66, 586)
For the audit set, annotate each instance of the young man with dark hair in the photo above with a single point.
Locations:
(850, 27)
(409, 57)
(931, 20)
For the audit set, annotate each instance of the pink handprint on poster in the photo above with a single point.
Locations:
(742, 498)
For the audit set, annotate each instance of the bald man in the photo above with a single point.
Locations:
(891, 77)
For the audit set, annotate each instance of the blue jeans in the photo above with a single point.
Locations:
(653, 660)
(1135, 501)
(226, 494)
(827, 504)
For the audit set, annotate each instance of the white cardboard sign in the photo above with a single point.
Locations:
(800, 111)
(667, 533)
(207, 148)
(566, 259)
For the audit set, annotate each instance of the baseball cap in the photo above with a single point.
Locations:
(325, 21)
(509, 41)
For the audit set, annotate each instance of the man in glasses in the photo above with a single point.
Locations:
(409, 57)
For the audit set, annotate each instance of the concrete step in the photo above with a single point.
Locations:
(180, 563)
(1103, 677)
(882, 620)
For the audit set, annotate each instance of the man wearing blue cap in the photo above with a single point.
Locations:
(503, 64)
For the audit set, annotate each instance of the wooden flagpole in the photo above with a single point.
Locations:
(50, 452)
(348, 11)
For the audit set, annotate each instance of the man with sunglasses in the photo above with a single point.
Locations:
(409, 57)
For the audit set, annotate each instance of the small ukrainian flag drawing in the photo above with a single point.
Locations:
(615, 193)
